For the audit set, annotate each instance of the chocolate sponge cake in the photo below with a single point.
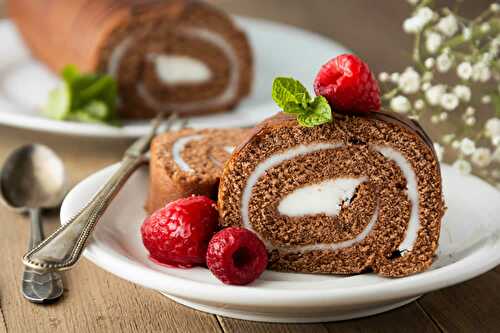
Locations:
(360, 193)
(189, 162)
(167, 55)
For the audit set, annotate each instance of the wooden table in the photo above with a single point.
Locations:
(97, 301)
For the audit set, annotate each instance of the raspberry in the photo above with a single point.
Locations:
(236, 256)
(348, 84)
(178, 234)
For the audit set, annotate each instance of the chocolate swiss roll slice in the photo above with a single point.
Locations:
(167, 55)
(361, 193)
(189, 162)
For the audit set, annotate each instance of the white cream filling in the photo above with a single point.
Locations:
(209, 36)
(117, 55)
(229, 149)
(412, 192)
(326, 197)
(175, 69)
(178, 148)
(388, 152)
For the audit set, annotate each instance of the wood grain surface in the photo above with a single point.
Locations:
(96, 301)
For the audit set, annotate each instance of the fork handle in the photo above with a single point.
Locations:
(63, 248)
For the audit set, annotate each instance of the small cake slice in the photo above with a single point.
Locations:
(185, 56)
(189, 162)
(362, 192)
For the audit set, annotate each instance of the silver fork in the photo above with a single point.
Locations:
(62, 249)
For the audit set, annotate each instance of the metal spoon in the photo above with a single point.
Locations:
(32, 178)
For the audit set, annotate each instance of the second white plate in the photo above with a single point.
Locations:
(469, 246)
(278, 50)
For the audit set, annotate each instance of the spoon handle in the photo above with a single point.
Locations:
(63, 248)
(39, 287)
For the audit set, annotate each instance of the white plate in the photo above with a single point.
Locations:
(469, 246)
(278, 49)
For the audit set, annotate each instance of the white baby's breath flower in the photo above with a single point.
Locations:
(419, 104)
(481, 72)
(425, 86)
(418, 21)
(485, 27)
(496, 155)
(433, 42)
(492, 127)
(439, 151)
(409, 81)
(481, 157)
(412, 2)
(400, 104)
(495, 141)
(429, 63)
(447, 138)
(448, 25)
(462, 166)
(495, 7)
(455, 144)
(444, 62)
(463, 92)
(486, 99)
(434, 119)
(434, 94)
(467, 146)
(467, 33)
(443, 116)
(470, 121)
(449, 101)
(470, 111)
(383, 77)
(394, 77)
(428, 76)
(464, 70)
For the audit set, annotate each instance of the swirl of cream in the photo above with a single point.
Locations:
(387, 151)
(211, 37)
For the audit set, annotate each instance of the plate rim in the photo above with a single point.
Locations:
(140, 127)
(474, 264)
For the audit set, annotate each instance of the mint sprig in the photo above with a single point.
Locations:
(293, 98)
(89, 98)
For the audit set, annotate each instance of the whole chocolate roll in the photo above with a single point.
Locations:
(179, 56)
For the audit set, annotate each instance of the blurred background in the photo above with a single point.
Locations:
(372, 29)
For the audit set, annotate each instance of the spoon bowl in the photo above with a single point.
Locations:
(33, 178)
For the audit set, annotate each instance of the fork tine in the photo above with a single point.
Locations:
(169, 123)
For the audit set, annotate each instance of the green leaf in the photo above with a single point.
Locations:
(97, 109)
(319, 112)
(288, 90)
(294, 108)
(70, 73)
(58, 104)
(88, 97)
(321, 108)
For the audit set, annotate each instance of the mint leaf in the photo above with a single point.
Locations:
(70, 73)
(319, 112)
(288, 90)
(321, 108)
(58, 103)
(88, 97)
(294, 108)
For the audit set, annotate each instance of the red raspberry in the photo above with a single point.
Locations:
(178, 234)
(236, 256)
(348, 84)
